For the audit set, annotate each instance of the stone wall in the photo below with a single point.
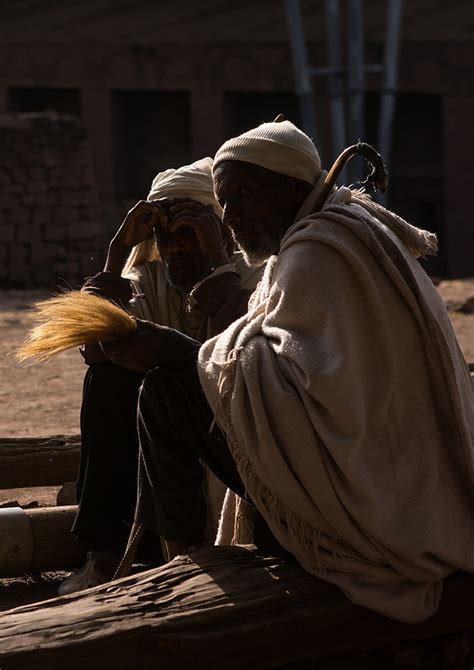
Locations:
(52, 231)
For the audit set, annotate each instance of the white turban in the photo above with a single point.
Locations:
(279, 146)
(189, 181)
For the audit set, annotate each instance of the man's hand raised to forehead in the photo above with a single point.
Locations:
(207, 227)
(140, 221)
(137, 226)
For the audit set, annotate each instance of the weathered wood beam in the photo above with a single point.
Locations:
(219, 607)
(38, 461)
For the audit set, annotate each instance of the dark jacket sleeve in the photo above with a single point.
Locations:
(178, 348)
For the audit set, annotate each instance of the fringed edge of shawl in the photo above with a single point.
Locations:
(419, 242)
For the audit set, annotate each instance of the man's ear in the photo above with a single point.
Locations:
(301, 191)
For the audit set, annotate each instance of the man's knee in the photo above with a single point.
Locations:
(151, 386)
(163, 384)
(153, 396)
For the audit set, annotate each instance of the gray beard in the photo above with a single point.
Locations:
(267, 244)
(183, 281)
(255, 258)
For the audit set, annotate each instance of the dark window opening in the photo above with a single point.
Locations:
(151, 132)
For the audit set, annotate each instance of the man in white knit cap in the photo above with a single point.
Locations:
(170, 263)
(344, 401)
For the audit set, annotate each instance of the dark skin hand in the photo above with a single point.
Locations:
(137, 226)
(207, 227)
(140, 352)
(110, 286)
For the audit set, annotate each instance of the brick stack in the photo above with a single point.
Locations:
(51, 228)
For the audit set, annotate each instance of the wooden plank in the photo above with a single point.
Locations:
(218, 607)
(38, 461)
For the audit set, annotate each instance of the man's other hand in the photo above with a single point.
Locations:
(142, 351)
(109, 285)
(207, 226)
(92, 353)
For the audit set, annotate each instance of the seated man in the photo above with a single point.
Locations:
(185, 275)
(345, 403)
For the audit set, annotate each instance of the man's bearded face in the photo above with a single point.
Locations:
(258, 240)
(259, 206)
(183, 260)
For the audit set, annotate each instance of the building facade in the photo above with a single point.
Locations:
(156, 85)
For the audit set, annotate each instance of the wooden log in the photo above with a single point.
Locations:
(38, 540)
(219, 607)
(38, 461)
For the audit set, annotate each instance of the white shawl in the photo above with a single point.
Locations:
(348, 409)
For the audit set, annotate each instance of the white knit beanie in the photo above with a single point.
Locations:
(279, 146)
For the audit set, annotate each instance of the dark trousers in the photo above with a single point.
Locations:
(174, 423)
(175, 436)
(107, 480)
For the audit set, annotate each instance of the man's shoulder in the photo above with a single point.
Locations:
(311, 235)
(317, 249)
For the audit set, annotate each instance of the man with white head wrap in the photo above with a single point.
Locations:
(344, 398)
(185, 276)
(162, 302)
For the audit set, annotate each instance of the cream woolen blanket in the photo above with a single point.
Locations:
(349, 411)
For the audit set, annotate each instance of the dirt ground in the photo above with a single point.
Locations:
(37, 400)
(43, 400)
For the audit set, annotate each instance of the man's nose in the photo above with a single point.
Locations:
(230, 216)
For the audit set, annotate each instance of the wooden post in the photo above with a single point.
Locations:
(37, 540)
(301, 67)
(355, 169)
(38, 461)
(335, 78)
(355, 69)
(389, 85)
